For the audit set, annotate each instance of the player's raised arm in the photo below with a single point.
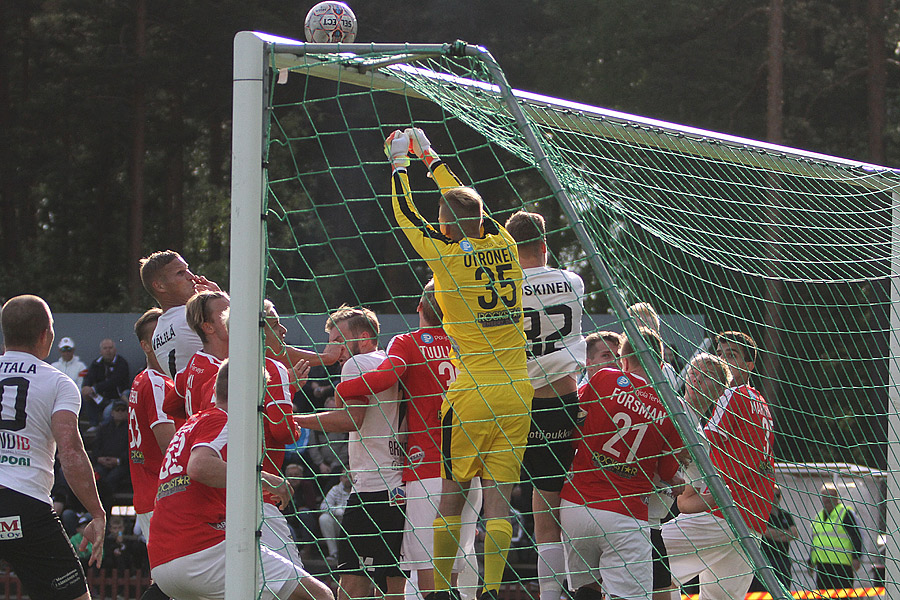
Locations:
(426, 240)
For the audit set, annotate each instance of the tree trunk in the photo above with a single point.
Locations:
(136, 225)
(877, 78)
(175, 177)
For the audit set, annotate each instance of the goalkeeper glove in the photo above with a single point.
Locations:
(396, 147)
(421, 147)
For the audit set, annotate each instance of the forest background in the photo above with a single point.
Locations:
(115, 114)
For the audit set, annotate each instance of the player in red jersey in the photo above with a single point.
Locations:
(740, 436)
(187, 541)
(206, 313)
(627, 439)
(420, 361)
(279, 430)
(150, 429)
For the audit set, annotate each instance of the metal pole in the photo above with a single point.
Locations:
(245, 346)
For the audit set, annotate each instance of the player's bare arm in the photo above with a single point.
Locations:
(348, 415)
(207, 467)
(79, 474)
(163, 432)
(278, 487)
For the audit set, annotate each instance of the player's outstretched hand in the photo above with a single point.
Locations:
(396, 147)
(94, 533)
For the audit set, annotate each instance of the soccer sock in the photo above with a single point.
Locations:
(551, 569)
(446, 545)
(497, 539)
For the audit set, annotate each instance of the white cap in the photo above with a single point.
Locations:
(66, 342)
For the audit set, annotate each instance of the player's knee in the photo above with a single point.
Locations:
(586, 592)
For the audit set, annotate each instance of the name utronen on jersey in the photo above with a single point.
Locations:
(493, 256)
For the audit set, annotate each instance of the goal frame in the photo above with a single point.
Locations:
(252, 75)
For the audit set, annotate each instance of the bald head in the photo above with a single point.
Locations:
(830, 497)
(27, 325)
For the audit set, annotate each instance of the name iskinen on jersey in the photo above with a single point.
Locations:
(547, 289)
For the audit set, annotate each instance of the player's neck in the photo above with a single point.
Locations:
(217, 348)
(32, 350)
(530, 262)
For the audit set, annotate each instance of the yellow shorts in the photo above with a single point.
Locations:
(484, 430)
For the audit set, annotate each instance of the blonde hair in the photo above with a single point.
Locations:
(645, 315)
(358, 320)
(466, 207)
(722, 374)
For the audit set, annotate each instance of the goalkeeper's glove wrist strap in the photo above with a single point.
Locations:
(431, 158)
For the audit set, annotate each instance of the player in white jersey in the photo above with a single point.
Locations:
(374, 519)
(552, 307)
(39, 414)
(167, 278)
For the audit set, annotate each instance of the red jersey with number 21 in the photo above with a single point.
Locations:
(740, 434)
(145, 411)
(626, 438)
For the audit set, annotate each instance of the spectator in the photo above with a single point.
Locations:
(333, 507)
(106, 379)
(121, 550)
(837, 544)
(70, 364)
(111, 455)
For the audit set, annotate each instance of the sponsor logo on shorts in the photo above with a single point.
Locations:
(466, 246)
(550, 436)
(11, 528)
(64, 581)
(581, 417)
(623, 381)
(137, 457)
(398, 496)
(427, 338)
(416, 455)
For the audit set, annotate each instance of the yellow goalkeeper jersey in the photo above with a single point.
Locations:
(478, 285)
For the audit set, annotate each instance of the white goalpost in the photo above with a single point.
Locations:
(540, 126)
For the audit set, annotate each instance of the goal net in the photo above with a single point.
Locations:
(717, 233)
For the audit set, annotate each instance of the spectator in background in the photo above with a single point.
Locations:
(106, 379)
(333, 507)
(836, 544)
(83, 555)
(111, 455)
(70, 364)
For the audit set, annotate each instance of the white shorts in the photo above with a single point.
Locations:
(422, 499)
(201, 576)
(608, 547)
(144, 523)
(275, 534)
(702, 544)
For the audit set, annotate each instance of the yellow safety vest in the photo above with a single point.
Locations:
(831, 544)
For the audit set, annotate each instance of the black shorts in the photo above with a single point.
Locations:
(662, 575)
(374, 524)
(33, 542)
(548, 456)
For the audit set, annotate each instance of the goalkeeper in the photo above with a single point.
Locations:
(485, 417)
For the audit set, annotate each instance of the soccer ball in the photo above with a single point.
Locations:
(330, 22)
